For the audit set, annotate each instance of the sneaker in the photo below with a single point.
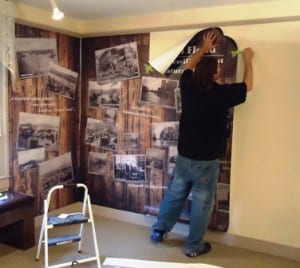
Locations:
(157, 235)
(206, 248)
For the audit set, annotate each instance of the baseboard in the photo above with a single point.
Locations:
(265, 247)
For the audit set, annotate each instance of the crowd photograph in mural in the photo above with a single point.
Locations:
(61, 81)
(129, 167)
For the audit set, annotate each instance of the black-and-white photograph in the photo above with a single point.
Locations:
(30, 159)
(102, 134)
(117, 63)
(110, 115)
(131, 141)
(104, 95)
(34, 55)
(222, 197)
(172, 155)
(55, 171)
(178, 100)
(155, 158)
(61, 81)
(156, 189)
(164, 133)
(129, 167)
(37, 130)
(158, 91)
(97, 163)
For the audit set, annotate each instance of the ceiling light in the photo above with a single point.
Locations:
(56, 13)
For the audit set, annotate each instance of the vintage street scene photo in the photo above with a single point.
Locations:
(129, 167)
(102, 134)
(97, 163)
(178, 100)
(164, 133)
(34, 55)
(37, 130)
(156, 189)
(110, 115)
(117, 63)
(155, 158)
(104, 95)
(30, 159)
(61, 81)
(158, 91)
(172, 154)
(131, 141)
(55, 171)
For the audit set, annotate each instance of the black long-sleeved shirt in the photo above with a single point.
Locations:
(202, 127)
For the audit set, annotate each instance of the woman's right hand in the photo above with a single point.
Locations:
(208, 41)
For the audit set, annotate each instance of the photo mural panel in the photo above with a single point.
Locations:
(126, 183)
(146, 114)
(44, 114)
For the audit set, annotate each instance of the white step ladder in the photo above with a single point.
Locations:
(66, 220)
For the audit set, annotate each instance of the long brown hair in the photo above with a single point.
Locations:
(204, 73)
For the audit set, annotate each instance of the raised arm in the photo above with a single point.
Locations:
(207, 44)
(248, 71)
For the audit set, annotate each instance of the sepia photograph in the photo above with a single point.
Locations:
(97, 163)
(117, 63)
(30, 159)
(172, 154)
(131, 141)
(155, 158)
(164, 134)
(110, 115)
(37, 130)
(55, 171)
(222, 197)
(104, 95)
(61, 81)
(158, 91)
(34, 55)
(156, 189)
(129, 167)
(102, 134)
(178, 100)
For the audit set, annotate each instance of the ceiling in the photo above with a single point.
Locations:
(96, 9)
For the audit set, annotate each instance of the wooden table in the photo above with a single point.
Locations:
(17, 220)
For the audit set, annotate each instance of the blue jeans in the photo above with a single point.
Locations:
(200, 178)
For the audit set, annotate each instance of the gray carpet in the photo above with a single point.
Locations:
(119, 239)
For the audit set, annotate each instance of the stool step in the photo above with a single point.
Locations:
(66, 219)
(64, 239)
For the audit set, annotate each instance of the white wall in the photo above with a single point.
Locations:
(265, 179)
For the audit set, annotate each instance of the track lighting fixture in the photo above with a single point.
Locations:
(56, 13)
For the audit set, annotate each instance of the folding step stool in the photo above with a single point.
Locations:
(81, 218)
